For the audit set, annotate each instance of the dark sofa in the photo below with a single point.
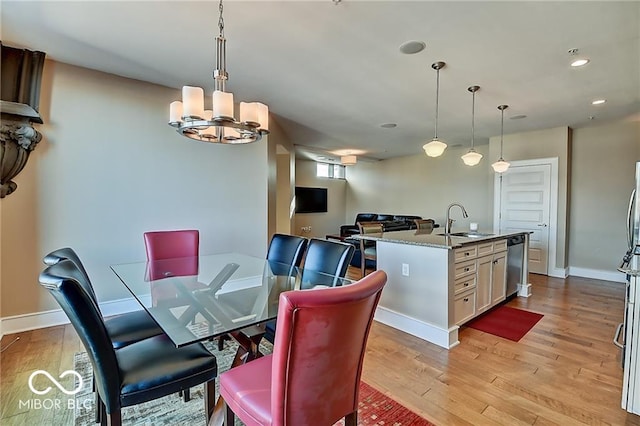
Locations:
(389, 222)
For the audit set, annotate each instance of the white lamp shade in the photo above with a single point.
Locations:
(193, 101)
(175, 112)
(500, 166)
(263, 115)
(435, 148)
(471, 158)
(248, 112)
(222, 104)
(348, 160)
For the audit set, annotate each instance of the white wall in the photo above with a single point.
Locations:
(108, 169)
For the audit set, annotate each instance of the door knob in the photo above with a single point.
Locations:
(544, 225)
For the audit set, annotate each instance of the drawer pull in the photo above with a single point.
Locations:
(466, 269)
(466, 299)
(466, 253)
(466, 284)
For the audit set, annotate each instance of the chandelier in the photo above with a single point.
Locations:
(218, 124)
(436, 147)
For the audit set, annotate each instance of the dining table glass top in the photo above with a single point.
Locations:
(202, 297)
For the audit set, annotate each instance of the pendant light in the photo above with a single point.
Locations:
(501, 166)
(472, 157)
(436, 147)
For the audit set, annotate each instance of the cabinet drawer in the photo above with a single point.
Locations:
(500, 245)
(485, 249)
(464, 284)
(464, 306)
(464, 268)
(464, 253)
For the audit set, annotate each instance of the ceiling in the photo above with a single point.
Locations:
(333, 73)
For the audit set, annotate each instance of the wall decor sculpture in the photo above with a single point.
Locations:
(21, 74)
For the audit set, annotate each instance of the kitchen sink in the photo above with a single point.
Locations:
(467, 234)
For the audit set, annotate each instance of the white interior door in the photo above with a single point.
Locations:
(525, 206)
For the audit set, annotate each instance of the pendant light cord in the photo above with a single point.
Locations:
(437, 100)
(501, 131)
(221, 20)
(473, 115)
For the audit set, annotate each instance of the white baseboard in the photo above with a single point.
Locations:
(597, 274)
(441, 337)
(25, 322)
(558, 272)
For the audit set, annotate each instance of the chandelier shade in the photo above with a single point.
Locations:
(501, 166)
(472, 157)
(218, 125)
(436, 147)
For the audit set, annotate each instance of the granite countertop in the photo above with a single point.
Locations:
(435, 238)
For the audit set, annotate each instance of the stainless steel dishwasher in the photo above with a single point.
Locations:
(515, 262)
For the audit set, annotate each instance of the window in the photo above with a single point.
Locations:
(332, 171)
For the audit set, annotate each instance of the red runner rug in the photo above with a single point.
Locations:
(503, 321)
(377, 409)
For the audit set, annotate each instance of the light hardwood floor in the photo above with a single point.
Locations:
(565, 371)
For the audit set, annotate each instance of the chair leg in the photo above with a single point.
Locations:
(114, 419)
(209, 398)
(351, 419)
(187, 395)
(96, 401)
(230, 416)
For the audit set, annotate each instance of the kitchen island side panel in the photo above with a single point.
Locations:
(424, 294)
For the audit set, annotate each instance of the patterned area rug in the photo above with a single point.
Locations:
(375, 408)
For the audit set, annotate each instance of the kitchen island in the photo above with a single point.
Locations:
(438, 282)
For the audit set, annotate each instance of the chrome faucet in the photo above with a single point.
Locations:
(449, 222)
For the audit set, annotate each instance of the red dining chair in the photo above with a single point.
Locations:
(308, 380)
(182, 246)
(163, 245)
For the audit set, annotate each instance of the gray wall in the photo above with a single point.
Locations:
(596, 170)
(108, 169)
(602, 177)
(321, 223)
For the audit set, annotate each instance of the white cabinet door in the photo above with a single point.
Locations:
(483, 283)
(499, 277)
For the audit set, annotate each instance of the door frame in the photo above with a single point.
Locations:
(552, 270)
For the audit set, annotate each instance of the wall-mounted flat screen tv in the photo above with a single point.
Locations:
(311, 200)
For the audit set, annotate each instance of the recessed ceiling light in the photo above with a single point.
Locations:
(579, 62)
(412, 46)
(388, 125)
(518, 117)
(598, 101)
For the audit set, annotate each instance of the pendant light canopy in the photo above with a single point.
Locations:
(472, 157)
(436, 147)
(501, 166)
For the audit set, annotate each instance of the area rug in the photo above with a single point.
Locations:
(507, 322)
(374, 408)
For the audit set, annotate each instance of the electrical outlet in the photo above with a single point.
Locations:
(405, 269)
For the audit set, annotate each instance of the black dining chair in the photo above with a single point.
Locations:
(325, 263)
(137, 373)
(123, 329)
(284, 255)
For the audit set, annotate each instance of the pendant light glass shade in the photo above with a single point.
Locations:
(501, 166)
(472, 157)
(436, 147)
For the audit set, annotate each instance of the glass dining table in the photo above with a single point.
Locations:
(204, 297)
